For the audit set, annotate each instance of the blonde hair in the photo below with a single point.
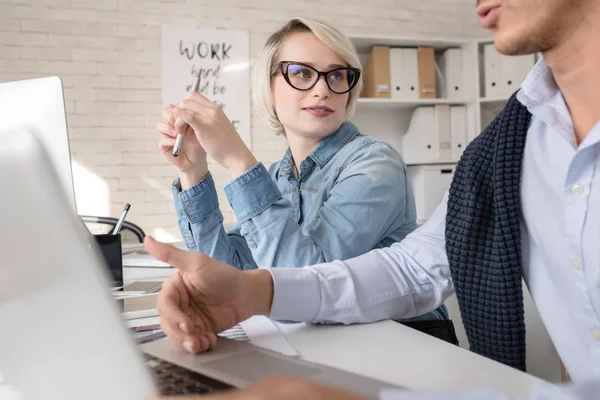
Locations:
(262, 72)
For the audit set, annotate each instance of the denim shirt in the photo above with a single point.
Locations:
(352, 196)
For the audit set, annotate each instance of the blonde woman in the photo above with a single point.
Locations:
(334, 195)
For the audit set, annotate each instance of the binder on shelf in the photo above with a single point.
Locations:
(411, 72)
(419, 143)
(442, 128)
(404, 74)
(504, 74)
(426, 65)
(492, 62)
(429, 136)
(377, 73)
(458, 131)
(452, 70)
(396, 73)
(514, 70)
(429, 183)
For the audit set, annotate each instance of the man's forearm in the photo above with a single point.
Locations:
(260, 294)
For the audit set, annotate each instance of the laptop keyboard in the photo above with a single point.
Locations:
(174, 380)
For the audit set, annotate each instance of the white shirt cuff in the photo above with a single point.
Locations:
(296, 295)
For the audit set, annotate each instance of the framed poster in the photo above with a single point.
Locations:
(223, 58)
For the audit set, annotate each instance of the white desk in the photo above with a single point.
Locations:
(394, 353)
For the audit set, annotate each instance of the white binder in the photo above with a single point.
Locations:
(428, 138)
(399, 91)
(410, 76)
(514, 70)
(404, 74)
(458, 130)
(451, 66)
(492, 71)
(420, 142)
(442, 128)
(429, 183)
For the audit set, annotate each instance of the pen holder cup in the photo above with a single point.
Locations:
(109, 246)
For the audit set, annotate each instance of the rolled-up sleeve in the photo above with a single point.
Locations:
(252, 192)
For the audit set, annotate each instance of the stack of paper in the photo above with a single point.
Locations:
(140, 266)
(139, 309)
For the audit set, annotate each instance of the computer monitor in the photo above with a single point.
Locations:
(39, 104)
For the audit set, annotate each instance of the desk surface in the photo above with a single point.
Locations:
(394, 353)
(397, 354)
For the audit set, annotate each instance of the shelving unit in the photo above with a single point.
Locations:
(403, 104)
(388, 119)
(487, 108)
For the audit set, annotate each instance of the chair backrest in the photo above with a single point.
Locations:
(130, 232)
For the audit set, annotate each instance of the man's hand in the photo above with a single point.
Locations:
(279, 389)
(206, 296)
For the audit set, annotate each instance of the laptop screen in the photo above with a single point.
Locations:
(38, 105)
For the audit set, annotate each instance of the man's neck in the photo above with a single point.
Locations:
(575, 65)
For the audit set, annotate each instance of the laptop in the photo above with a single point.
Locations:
(40, 104)
(62, 335)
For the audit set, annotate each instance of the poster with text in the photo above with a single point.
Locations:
(223, 58)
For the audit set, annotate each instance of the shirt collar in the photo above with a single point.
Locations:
(538, 86)
(326, 149)
(543, 98)
(333, 143)
(285, 166)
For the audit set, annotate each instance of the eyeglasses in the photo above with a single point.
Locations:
(304, 77)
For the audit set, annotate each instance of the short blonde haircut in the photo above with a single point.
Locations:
(262, 72)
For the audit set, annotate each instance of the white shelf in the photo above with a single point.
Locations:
(485, 40)
(363, 43)
(484, 100)
(447, 162)
(365, 102)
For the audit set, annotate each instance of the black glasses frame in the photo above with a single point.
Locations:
(283, 67)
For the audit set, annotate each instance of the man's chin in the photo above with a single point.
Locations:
(511, 43)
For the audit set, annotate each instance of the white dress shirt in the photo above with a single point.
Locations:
(560, 199)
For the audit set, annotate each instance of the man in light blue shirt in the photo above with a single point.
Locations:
(560, 224)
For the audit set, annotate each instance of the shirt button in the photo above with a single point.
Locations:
(576, 190)
(596, 334)
(576, 263)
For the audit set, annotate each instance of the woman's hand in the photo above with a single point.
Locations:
(214, 133)
(192, 161)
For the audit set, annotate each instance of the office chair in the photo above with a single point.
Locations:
(130, 232)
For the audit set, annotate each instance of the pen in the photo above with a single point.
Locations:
(179, 139)
(122, 219)
(155, 335)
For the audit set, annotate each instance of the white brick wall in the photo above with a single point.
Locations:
(108, 56)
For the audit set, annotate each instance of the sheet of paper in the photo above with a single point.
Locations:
(143, 261)
(130, 248)
(133, 323)
(235, 333)
(264, 333)
(131, 274)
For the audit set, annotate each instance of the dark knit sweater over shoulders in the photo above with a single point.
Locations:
(483, 240)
